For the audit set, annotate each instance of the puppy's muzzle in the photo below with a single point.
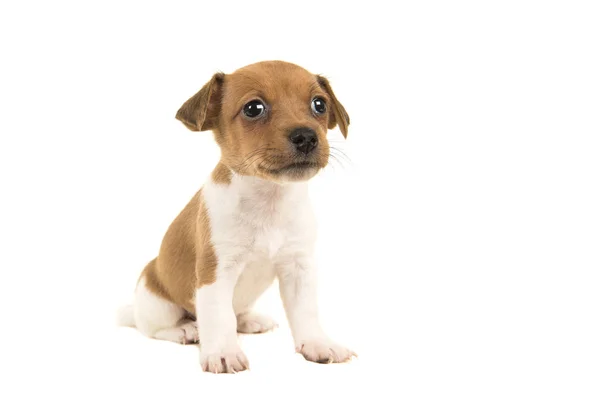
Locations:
(304, 140)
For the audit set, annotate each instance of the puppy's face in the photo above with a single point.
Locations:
(270, 119)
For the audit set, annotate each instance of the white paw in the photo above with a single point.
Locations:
(254, 323)
(186, 333)
(324, 351)
(190, 332)
(224, 362)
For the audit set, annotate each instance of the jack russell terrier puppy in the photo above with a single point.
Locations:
(251, 221)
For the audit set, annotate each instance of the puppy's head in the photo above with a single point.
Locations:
(270, 119)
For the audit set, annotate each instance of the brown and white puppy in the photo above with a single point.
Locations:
(250, 223)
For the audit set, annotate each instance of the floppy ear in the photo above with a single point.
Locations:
(201, 111)
(337, 112)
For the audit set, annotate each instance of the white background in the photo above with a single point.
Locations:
(459, 245)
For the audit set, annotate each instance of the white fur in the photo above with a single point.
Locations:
(252, 322)
(160, 319)
(185, 332)
(260, 230)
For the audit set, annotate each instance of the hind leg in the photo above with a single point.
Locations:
(251, 322)
(185, 333)
(250, 286)
(161, 319)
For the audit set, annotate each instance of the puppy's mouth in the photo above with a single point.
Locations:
(294, 168)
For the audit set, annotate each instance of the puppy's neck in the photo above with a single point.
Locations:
(255, 193)
(257, 201)
(255, 187)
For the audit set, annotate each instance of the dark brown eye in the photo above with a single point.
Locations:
(254, 109)
(318, 105)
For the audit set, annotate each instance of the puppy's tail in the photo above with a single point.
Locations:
(125, 316)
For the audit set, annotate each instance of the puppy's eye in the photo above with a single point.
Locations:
(318, 105)
(254, 109)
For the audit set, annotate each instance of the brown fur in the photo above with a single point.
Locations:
(186, 258)
(198, 113)
(260, 147)
(221, 174)
(337, 113)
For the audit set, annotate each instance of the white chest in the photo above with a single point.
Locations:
(258, 221)
(270, 242)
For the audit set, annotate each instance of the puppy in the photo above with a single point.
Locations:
(250, 223)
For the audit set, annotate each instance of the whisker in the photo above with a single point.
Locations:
(336, 160)
(340, 155)
(253, 157)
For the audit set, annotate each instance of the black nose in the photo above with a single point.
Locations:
(304, 139)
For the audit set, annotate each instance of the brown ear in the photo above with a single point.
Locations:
(201, 111)
(337, 113)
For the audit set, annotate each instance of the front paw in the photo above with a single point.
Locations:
(231, 361)
(324, 351)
